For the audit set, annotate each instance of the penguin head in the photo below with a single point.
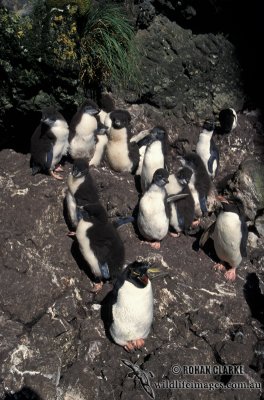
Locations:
(80, 168)
(233, 204)
(227, 120)
(120, 118)
(191, 160)
(90, 107)
(94, 212)
(184, 175)
(208, 125)
(50, 116)
(161, 177)
(137, 273)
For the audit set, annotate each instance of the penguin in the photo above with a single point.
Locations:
(107, 104)
(153, 214)
(207, 149)
(81, 190)
(100, 244)
(49, 143)
(229, 233)
(142, 144)
(154, 156)
(83, 129)
(132, 308)
(227, 120)
(200, 183)
(182, 210)
(122, 155)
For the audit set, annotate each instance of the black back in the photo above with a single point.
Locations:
(104, 239)
(226, 119)
(87, 191)
(185, 207)
(41, 145)
(202, 179)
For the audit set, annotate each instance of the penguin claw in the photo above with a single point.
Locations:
(97, 287)
(219, 267)
(71, 233)
(155, 245)
(58, 168)
(230, 275)
(56, 176)
(195, 223)
(174, 234)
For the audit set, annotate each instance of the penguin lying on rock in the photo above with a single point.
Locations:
(207, 149)
(49, 143)
(122, 155)
(229, 233)
(132, 308)
(153, 215)
(100, 244)
(81, 191)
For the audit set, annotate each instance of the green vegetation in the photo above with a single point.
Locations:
(108, 49)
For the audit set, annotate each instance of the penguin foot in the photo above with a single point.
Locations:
(58, 168)
(174, 234)
(219, 267)
(195, 223)
(155, 245)
(97, 287)
(230, 275)
(71, 233)
(134, 344)
(56, 176)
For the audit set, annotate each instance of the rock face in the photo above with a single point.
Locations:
(53, 342)
(193, 76)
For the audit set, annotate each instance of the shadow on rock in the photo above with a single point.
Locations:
(254, 297)
(24, 394)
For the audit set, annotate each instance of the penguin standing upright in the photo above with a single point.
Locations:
(154, 156)
(200, 183)
(107, 105)
(122, 155)
(132, 311)
(100, 244)
(227, 120)
(81, 190)
(229, 233)
(49, 143)
(83, 127)
(207, 149)
(142, 144)
(182, 210)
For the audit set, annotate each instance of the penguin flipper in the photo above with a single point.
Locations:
(122, 221)
(243, 243)
(105, 270)
(175, 197)
(133, 151)
(206, 235)
(202, 201)
(214, 157)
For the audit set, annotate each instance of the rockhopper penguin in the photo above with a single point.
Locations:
(81, 191)
(121, 154)
(49, 143)
(207, 149)
(132, 311)
(100, 244)
(229, 233)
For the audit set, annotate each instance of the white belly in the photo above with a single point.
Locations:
(117, 151)
(153, 160)
(227, 238)
(152, 221)
(99, 150)
(132, 313)
(203, 149)
(82, 146)
(61, 131)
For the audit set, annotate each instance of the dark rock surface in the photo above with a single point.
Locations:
(53, 342)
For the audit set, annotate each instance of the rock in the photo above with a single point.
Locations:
(248, 184)
(259, 223)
